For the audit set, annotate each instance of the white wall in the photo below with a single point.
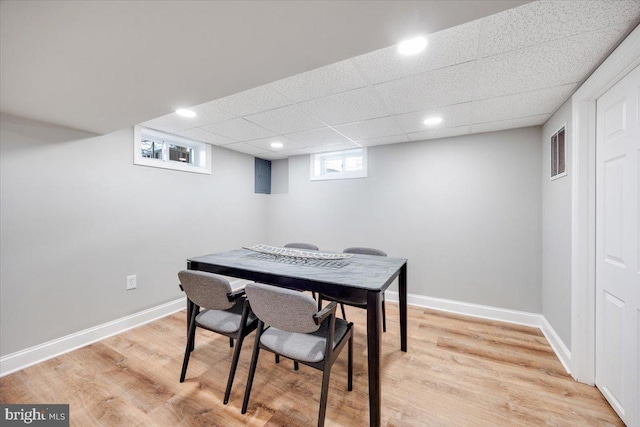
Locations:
(280, 176)
(77, 217)
(465, 211)
(556, 231)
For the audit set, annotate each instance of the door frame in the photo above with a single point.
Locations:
(583, 203)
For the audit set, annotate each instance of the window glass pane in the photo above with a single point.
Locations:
(179, 153)
(332, 165)
(150, 148)
(354, 163)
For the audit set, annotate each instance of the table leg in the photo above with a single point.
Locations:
(402, 291)
(189, 308)
(374, 352)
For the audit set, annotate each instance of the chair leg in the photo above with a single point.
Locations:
(277, 358)
(323, 394)
(344, 316)
(319, 302)
(350, 363)
(234, 365)
(190, 339)
(252, 368)
(296, 366)
(230, 342)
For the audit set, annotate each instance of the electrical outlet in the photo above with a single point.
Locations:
(131, 282)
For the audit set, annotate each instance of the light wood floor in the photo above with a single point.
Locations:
(459, 371)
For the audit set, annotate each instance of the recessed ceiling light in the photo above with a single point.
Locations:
(412, 46)
(277, 145)
(430, 121)
(185, 113)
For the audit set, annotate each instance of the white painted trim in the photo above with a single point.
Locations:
(39, 353)
(623, 59)
(201, 151)
(556, 344)
(468, 309)
(493, 313)
(315, 161)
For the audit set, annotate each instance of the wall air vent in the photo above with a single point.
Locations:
(558, 154)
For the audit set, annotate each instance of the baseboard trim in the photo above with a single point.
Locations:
(557, 345)
(493, 313)
(39, 353)
(24, 358)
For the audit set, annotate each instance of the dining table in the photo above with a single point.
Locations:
(356, 277)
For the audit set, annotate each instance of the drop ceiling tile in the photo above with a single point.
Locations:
(542, 21)
(264, 144)
(261, 98)
(452, 85)
(170, 123)
(321, 149)
(521, 104)
(452, 116)
(445, 48)
(510, 124)
(439, 133)
(239, 129)
(324, 136)
(202, 135)
(368, 129)
(244, 148)
(325, 81)
(207, 114)
(347, 107)
(550, 64)
(383, 140)
(287, 119)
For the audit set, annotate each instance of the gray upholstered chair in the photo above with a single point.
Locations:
(299, 332)
(357, 303)
(307, 246)
(225, 312)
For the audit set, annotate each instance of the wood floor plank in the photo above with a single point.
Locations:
(459, 371)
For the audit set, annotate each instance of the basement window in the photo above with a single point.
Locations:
(339, 165)
(163, 150)
(558, 154)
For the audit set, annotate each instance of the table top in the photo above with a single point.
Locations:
(366, 272)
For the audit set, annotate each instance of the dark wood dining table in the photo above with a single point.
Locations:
(361, 277)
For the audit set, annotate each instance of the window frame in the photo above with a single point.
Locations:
(316, 161)
(201, 152)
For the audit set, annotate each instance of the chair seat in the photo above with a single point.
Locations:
(305, 347)
(224, 321)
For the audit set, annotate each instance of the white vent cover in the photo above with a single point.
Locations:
(558, 154)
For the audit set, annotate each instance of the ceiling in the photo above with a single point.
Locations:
(512, 69)
(102, 65)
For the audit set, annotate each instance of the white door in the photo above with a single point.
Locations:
(617, 247)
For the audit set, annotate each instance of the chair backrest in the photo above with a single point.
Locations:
(282, 308)
(307, 246)
(206, 290)
(364, 251)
